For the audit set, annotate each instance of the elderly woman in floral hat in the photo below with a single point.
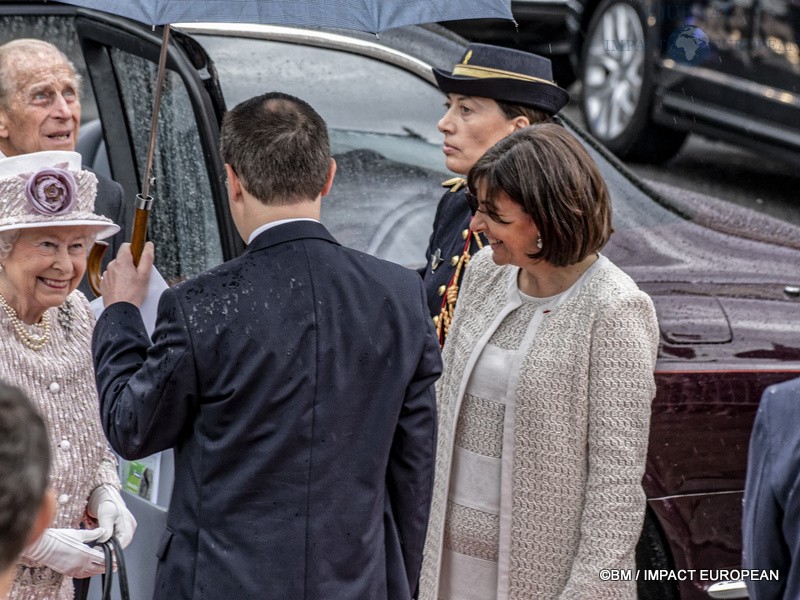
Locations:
(47, 226)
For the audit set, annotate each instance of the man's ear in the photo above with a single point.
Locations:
(234, 185)
(47, 511)
(329, 181)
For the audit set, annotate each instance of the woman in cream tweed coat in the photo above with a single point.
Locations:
(47, 225)
(544, 402)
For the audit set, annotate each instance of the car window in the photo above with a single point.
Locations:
(183, 223)
(352, 92)
(59, 30)
(382, 122)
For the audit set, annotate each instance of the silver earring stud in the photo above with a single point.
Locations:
(539, 242)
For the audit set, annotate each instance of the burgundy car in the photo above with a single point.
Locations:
(725, 281)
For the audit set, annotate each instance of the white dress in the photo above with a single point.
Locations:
(472, 524)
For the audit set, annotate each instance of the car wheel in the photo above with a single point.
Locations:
(617, 82)
(652, 554)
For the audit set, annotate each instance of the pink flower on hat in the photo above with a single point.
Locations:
(51, 191)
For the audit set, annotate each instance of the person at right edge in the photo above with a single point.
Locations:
(491, 92)
(544, 400)
(770, 527)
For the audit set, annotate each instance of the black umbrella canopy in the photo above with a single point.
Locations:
(373, 16)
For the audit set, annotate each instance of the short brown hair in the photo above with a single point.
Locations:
(278, 146)
(545, 170)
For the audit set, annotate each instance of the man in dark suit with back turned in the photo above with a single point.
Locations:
(40, 109)
(302, 417)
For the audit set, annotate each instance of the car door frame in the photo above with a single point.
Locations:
(98, 34)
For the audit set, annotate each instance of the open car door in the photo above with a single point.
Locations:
(190, 223)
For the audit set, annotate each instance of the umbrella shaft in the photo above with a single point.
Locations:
(162, 71)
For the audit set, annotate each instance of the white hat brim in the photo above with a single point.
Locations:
(106, 229)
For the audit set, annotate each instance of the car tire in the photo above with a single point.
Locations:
(616, 73)
(651, 555)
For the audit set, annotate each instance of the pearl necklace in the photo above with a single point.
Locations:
(31, 341)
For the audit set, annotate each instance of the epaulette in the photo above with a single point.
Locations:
(455, 184)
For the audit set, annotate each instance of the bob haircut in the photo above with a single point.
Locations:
(545, 170)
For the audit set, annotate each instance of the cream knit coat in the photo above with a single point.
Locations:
(582, 414)
(59, 379)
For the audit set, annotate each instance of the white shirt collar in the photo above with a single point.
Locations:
(272, 224)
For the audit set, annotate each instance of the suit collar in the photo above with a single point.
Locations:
(289, 232)
(261, 229)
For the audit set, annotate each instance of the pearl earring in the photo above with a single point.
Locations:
(539, 242)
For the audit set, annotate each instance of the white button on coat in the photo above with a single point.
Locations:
(64, 444)
(63, 498)
(55, 388)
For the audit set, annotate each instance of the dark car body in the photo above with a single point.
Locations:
(723, 279)
(738, 79)
(546, 27)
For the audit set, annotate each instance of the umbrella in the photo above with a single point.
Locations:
(372, 16)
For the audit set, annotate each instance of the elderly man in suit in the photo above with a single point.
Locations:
(40, 109)
(294, 382)
(771, 524)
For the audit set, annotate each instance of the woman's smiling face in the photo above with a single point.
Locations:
(44, 266)
(510, 230)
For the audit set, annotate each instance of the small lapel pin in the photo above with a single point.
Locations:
(436, 259)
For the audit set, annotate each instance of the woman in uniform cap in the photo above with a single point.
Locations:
(491, 92)
(47, 225)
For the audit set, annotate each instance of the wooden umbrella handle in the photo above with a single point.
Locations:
(94, 266)
(138, 239)
(139, 235)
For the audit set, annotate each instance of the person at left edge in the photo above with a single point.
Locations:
(47, 224)
(303, 419)
(27, 503)
(40, 110)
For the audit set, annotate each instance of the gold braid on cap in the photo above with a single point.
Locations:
(445, 317)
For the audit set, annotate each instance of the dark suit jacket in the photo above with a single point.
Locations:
(771, 526)
(109, 203)
(296, 384)
(447, 241)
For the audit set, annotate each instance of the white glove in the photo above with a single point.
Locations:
(65, 551)
(108, 507)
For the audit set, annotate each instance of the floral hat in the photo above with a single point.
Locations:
(47, 189)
